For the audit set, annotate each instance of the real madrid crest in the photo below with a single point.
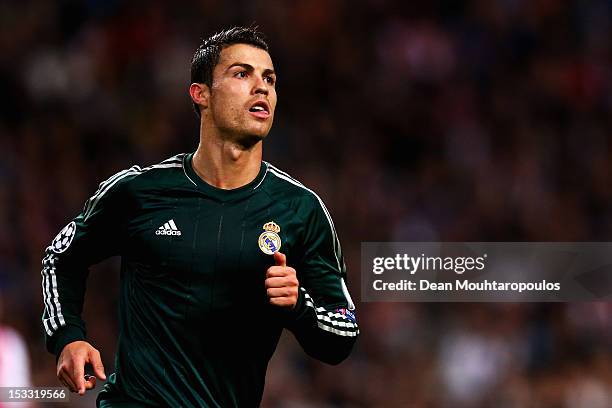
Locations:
(269, 241)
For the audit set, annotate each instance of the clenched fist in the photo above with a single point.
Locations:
(71, 366)
(281, 283)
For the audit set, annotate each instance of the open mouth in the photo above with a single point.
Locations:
(260, 109)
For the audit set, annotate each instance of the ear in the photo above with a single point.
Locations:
(200, 94)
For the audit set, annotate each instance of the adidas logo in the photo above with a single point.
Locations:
(169, 228)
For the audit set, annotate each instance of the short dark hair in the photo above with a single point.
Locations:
(207, 55)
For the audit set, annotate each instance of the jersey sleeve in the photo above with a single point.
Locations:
(325, 323)
(90, 237)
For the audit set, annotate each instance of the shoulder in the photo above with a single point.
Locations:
(283, 187)
(135, 178)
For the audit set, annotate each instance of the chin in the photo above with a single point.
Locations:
(251, 138)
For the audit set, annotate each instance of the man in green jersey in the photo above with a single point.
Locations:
(220, 252)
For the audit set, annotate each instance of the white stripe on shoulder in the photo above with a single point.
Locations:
(134, 170)
(162, 166)
(96, 198)
(102, 188)
(299, 184)
(281, 174)
(178, 158)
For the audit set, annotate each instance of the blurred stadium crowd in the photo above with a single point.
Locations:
(486, 120)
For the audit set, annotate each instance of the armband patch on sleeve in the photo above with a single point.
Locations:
(62, 241)
(346, 313)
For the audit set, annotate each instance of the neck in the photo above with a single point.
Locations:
(224, 163)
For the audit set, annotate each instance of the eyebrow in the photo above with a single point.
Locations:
(248, 67)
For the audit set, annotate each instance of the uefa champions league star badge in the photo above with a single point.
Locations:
(269, 240)
(62, 241)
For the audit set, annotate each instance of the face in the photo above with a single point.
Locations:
(243, 96)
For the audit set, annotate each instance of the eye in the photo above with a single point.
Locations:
(270, 79)
(241, 74)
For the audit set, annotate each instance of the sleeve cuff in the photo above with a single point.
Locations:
(67, 335)
(300, 307)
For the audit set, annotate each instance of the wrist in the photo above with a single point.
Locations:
(299, 307)
(66, 336)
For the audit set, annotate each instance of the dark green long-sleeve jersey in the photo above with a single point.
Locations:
(196, 327)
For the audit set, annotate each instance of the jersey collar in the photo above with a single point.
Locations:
(219, 193)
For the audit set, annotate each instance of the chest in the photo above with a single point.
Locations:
(202, 242)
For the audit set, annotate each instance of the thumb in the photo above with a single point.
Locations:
(280, 259)
(98, 367)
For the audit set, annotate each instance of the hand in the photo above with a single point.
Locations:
(282, 283)
(71, 366)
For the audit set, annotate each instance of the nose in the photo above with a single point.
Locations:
(260, 87)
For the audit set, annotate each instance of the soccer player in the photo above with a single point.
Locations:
(220, 252)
